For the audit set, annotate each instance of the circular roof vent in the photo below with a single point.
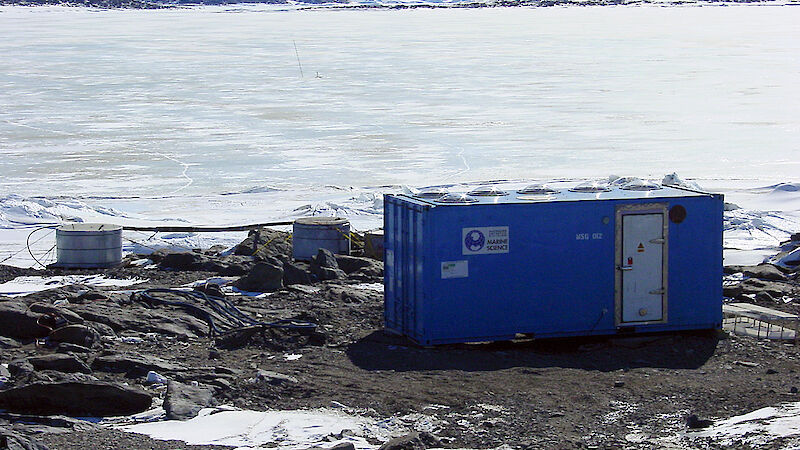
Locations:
(431, 193)
(621, 181)
(591, 187)
(538, 189)
(457, 198)
(487, 191)
(640, 185)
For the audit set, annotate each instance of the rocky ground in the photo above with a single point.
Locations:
(81, 351)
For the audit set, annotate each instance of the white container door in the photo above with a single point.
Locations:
(642, 268)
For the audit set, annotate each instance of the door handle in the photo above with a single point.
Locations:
(624, 267)
(657, 241)
(657, 291)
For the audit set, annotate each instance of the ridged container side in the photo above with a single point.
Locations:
(309, 234)
(88, 245)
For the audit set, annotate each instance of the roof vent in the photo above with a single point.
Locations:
(540, 189)
(621, 181)
(591, 187)
(457, 198)
(487, 191)
(640, 185)
(431, 193)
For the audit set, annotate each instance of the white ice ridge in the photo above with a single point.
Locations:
(17, 211)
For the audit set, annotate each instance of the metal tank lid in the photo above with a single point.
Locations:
(88, 227)
(321, 221)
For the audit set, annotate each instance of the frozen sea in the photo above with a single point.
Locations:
(244, 114)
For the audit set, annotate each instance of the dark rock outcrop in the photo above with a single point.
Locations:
(183, 401)
(275, 378)
(266, 276)
(14, 441)
(20, 367)
(60, 362)
(86, 398)
(296, 272)
(133, 365)
(19, 322)
(183, 260)
(325, 267)
(232, 265)
(265, 243)
(8, 343)
(347, 294)
(411, 441)
(776, 289)
(365, 268)
(764, 272)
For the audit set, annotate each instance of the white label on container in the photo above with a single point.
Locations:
(455, 269)
(484, 240)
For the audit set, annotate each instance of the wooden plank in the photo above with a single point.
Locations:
(768, 312)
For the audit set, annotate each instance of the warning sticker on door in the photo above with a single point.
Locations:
(640, 248)
(484, 240)
(455, 269)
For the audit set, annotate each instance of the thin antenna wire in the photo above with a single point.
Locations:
(298, 58)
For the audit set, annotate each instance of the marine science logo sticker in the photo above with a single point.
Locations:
(484, 240)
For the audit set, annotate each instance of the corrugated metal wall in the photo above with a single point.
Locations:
(404, 231)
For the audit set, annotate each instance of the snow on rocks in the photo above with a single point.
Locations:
(27, 285)
(287, 429)
(755, 429)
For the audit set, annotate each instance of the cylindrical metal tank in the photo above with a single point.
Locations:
(309, 234)
(88, 245)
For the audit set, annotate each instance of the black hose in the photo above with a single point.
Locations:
(205, 307)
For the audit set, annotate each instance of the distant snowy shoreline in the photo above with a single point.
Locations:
(757, 218)
(373, 4)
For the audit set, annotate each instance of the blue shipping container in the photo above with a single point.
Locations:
(547, 263)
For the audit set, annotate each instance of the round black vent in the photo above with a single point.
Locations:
(677, 214)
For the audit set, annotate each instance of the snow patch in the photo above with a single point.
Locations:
(286, 430)
(27, 285)
(756, 428)
(378, 287)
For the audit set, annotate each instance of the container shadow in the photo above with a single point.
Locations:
(675, 350)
